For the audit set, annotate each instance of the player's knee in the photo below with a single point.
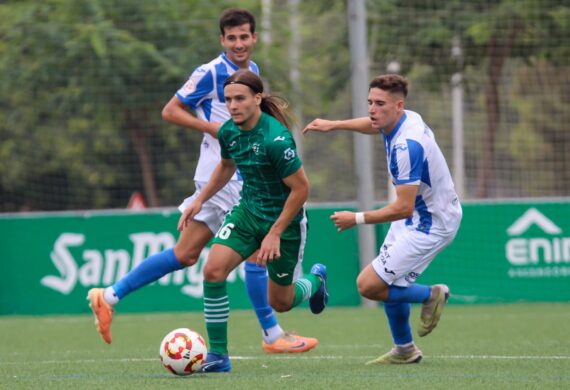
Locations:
(363, 289)
(186, 257)
(361, 285)
(188, 261)
(369, 290)
(213, 273)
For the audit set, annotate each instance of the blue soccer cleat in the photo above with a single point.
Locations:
(319, 300)
(216, 362)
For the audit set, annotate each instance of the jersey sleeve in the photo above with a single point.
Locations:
(198, 87)
(406, 162)
(254, 68)
(283, 154)
(222, 137)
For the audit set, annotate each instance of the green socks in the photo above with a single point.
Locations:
(217, 308)
(305, 287)
(216, 313)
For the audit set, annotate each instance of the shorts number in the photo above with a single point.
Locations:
(225, 231)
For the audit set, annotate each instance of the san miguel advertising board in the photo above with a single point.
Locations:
(504, 252)
(50, 261)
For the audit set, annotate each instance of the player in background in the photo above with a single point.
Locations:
(203, 94)
(270, 218)
(424, 217)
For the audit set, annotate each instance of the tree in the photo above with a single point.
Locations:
(492, 34)
(83, 85)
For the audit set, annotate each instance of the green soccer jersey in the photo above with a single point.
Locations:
(264, 156)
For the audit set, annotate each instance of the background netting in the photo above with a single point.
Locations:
(82, 86)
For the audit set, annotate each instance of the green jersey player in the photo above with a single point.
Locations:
(269, 218)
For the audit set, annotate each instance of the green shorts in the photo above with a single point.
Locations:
(244, 232)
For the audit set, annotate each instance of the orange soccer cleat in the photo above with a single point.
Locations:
(102, 311)
(290, 343)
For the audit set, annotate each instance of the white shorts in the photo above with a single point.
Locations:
(215, 209)
(406, 253)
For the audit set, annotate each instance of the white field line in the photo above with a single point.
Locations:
(287, 357)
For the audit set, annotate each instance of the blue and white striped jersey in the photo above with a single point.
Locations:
(204, 93)
(414, 158)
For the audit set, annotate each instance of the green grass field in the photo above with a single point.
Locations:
(483, 347)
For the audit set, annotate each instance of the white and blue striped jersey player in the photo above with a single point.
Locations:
(414, 158)
(204, 94)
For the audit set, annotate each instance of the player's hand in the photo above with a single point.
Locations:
(319, 125)
(269, 250)
(189, 214)
(343, 220)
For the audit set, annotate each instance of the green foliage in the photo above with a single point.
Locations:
(538, 136)
(81, 81)
(495, 38)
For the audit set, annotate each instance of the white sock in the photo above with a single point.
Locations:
(110, 297)
(272, 334)
(405, 348)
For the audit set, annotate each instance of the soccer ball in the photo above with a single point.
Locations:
(183, 351)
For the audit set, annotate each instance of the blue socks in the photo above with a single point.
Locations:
(399, 319)
(416, 293)
(156, 266)
(149, 270)
(398, 307)
(256, 285)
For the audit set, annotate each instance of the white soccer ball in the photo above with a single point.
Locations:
(183, 351)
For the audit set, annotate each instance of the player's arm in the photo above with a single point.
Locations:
(220, 177)
(360, 125)
(299, 185)
(401, 208)
(175, 112)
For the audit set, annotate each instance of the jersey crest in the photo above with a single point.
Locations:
(256, 148)
(288, 154)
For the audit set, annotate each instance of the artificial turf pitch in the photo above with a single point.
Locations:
(516, 346)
